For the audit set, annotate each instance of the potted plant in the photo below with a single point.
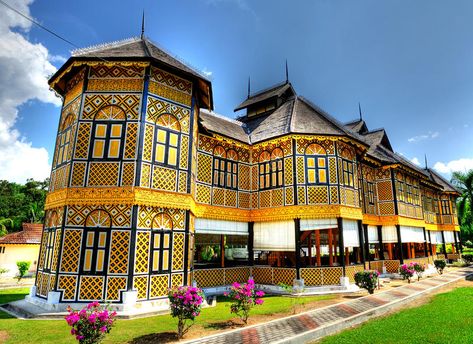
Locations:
(440, 264)
(367, 279)
(407, 271)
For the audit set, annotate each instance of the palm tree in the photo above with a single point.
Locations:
(464, 183)
(3, 226)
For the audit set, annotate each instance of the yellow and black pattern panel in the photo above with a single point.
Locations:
(82, 141)
(131, 141)
(289, 196)
(145, 175)
(147, 214)
(317, 195)
(178, 252)
(244, 200)
(204, 168)
(57, 244)
(120, 214)
(203, 193)
(140, 283)
(254, 178)
(118, 85)
(103, 173)
(159, 286)
(157, 107)
(142, 252)
(128, 174)
(207, 144)
(243, 177)
(68, 285)
(177, 280)
(301, 197)
(288, 171)
(148, 142)
(184, 152)
(171, 87)
(91, 288)
(129, 103)
(218, 196)
(277, 197)
(115, 285)
(384, 192)
(182, 185)
(78, 174)
(302, 143)
(230, 198)
(265, 199)
(59, 178)
(119, 252)
(41, 250)
(300, 170)
(74, 86)
(164, 178)
(117, 71)
(71, 250)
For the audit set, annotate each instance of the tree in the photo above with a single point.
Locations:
(463, 181)
(3, 226)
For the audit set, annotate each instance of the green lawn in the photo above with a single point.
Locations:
(446, 319)
(57, 331)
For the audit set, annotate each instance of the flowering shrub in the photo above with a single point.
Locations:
(419, 268)
(407, 271)
(91, 324)
(367, 279)
(440, 264)
(186, 304)
(244, 297)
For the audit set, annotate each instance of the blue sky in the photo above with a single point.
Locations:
(410, 64)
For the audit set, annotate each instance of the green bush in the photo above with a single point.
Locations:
(367, 279)
(23, 268)
(440, 264)
(468, 244)
(468, 257)
(3, 271)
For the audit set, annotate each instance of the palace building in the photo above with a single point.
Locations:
(152, 189)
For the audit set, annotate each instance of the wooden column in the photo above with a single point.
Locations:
(347, 256)
(297, 228)
(444, 248)
(330, 248)
(390, 251)
(380, 239)
(222, 251)
(456, 242)
(399, 242)
(310, 247)
(251, 236)
(409, 250)
(317, 247)
(341, 243)
(367, 256)
(362, 242)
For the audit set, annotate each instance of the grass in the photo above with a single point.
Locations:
(125, 331)
(445, 319)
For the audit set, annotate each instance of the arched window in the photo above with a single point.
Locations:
(225, 168)
(271, 169)
(95, 242)
(108, 133)
(316, 164)
(63, 154)
(161, 243)
(168, 131)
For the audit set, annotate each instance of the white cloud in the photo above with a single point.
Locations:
(24, 67)
(429, 135)
(207, 72)
(415, 161)
(460, 165)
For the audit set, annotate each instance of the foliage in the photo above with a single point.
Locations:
(90, 324)
(3, 226)
(460, 263)
(440, 264)
(244, 298)
(367, 279)
(295, 300)
(208, 253)
(467, 257)
(186, 304)
(407, 271)
(3, 271)
(419, 269)
(463, 181)
(468, 243)
(22, 203)
(23, 268)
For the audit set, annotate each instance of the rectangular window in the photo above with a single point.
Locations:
(370, 192)
(166, 151)
(446, 207)
(160, 251)
(316, 170)
(271, 174)
(48, 254)
(107, 141)
(225, 173)
(95, 251)
(347, 167)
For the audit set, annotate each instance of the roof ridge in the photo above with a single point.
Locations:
(92, 48)
(355, 121)
(212, 113)
(375, 130)
(267, 89)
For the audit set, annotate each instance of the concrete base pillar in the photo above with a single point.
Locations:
(344, 281)
(54, 297)
(129, 299)
(33, 291)
(298, 285)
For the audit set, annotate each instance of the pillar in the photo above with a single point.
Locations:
(366, 245)
(341, 243)
(380, 239)
(297, 228)
(444, 248)
(330, 247)
(251, 236)
(399, 244)
(456, 242)
(426, 252)
(363, 239)
(317, 247)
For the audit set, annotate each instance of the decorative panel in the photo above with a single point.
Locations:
(177, 280)
(300, 170)
(103, 173)
(243, 177)
(277, 198)
(244, 200)
(203, 193)
(164, 178)
(178, 252)
(71, 250)
(140, 283)
(82, 141)
(116, 71)
(300, 195)
(142, 252)
(204, 168)
(91, 288)
(334, 194)
(289, 195)
(386, 208)
(119, 85)
(230, 198)
(129, 103)
(120, 245)
(317, 195)
(131, 141)
(114, 286)
(145, 175)
(385, 191)
(128, 174)
(288, 172)
(68, 285)
(184, 152)
(218, 196)
(78, 173)
(159, 286)
(182, 186)
(147, 214)
(157, 107)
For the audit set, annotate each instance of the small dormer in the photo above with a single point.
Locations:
(266, 101)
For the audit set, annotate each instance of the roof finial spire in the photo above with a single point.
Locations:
(249, 89)
(426, 165)
(359, 110)
(287, 73)
(143, 25)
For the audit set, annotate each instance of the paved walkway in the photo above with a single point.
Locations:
(312, 325)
